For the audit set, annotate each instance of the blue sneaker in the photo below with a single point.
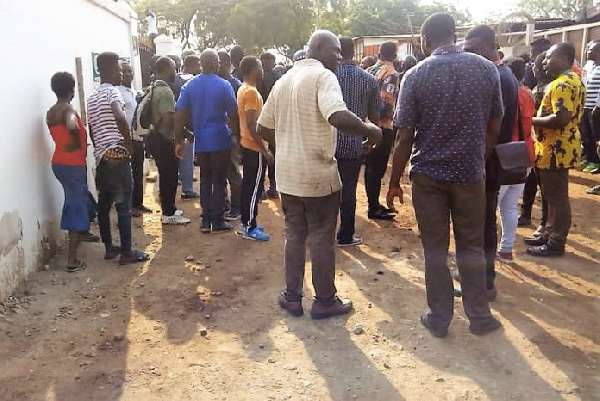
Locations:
(256, 235)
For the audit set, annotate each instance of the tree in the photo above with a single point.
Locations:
(568, 9)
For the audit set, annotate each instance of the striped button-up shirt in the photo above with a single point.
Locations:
(361, 94)
(593, 88)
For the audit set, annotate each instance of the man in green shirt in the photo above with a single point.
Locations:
(163, 108)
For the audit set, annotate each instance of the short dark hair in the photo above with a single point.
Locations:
(224, 57)
(62, 84)
(347, 45)
(106, 60)
(267, 56)
(388, 51)
(237, 53)
(191, 59)
(439, 26)
(483, 33)
(163, 63)
(248, 64)
(566, 49)
(517, 65)
(541, 43)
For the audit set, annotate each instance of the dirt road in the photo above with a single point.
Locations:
(209, 328)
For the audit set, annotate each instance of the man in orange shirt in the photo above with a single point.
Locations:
(255, 154)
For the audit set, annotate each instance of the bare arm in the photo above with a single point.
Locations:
(122, 123)
(73, 127)
(267, 134)
(554, 121)
(491, 136)
(348, 122)
(402, 151)
(251, 122)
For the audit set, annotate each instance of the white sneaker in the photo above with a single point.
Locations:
(178, 212)
(175, 220)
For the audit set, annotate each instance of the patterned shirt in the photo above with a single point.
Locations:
(593, 88)
(102, 121)
(449, 98)
(561, 148)
(298, 109)
(389, 86)
(361, 94)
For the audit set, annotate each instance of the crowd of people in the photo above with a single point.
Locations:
(479, 132)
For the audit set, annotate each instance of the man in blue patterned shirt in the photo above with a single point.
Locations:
(361, 94)
(448, 117)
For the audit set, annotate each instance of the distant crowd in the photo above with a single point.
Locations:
(479, 132)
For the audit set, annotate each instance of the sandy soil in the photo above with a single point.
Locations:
(210, 328)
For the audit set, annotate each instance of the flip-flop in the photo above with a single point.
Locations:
(135, 257)
(112, 253)
(80, 266)
(89, 237)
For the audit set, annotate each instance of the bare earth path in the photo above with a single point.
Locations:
(210, 329)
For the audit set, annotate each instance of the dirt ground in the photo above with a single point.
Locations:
(210, 328)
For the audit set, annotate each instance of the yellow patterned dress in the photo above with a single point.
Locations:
(561, 148)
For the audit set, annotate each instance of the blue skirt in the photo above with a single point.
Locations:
(75, 213)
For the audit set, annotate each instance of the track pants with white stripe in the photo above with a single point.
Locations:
(253, 175)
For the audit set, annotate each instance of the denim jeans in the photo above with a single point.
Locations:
(186, 168)
(349, 170)
(508, 203)
(315, 218)
(137, 168)
(115, 185)
(435, 203)
(214, 168)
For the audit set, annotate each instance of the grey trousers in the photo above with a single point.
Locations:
(435, 203)
(315, 218)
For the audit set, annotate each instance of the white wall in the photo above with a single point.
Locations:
(39, 38)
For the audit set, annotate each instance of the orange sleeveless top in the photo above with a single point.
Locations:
(62, 137)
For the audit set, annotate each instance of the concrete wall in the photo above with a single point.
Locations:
(39, 38)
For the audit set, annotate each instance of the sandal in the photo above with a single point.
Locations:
(89, 237)
(112, 253)
(135, 257)
(81, 265)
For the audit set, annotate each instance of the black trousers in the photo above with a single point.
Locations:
(349, 172)
(137, 169)
(168, 170)
(254, 172)
(490, 229)
(214, 168)
(529, 194)
(270, 174)
(375, 167)
(590, 134)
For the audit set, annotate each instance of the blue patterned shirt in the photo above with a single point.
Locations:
(361, 94)
(449, 98)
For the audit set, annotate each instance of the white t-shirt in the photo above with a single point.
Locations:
(129, 96)
(151, 21)
(105, 131)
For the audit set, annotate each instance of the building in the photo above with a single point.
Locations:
(40, 38)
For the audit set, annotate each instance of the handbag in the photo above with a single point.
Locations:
(514, 159)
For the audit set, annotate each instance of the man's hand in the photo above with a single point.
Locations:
(269, 158)
(374, 135)
(393, 193)
(179, 150)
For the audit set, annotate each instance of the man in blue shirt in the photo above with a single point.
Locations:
(361, 94)
(448, 117)
(482, 40)
(209, 100)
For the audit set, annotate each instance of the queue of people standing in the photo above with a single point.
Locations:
(456, 117)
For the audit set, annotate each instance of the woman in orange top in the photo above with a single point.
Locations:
(69, 164)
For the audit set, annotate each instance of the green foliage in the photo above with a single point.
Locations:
(570, 9)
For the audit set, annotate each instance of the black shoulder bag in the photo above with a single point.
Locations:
(514, 159)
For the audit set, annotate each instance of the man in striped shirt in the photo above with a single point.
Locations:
(590, 123)
(110, 133)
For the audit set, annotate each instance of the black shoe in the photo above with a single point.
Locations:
(546, 251)
(381, 215)
(189, 195)
(485, 327)
(205, 228)
(386, 210)
(294, 308)
(524, 221)
(535, 241)
(337, 308)
(437, 332)
(221, 228)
